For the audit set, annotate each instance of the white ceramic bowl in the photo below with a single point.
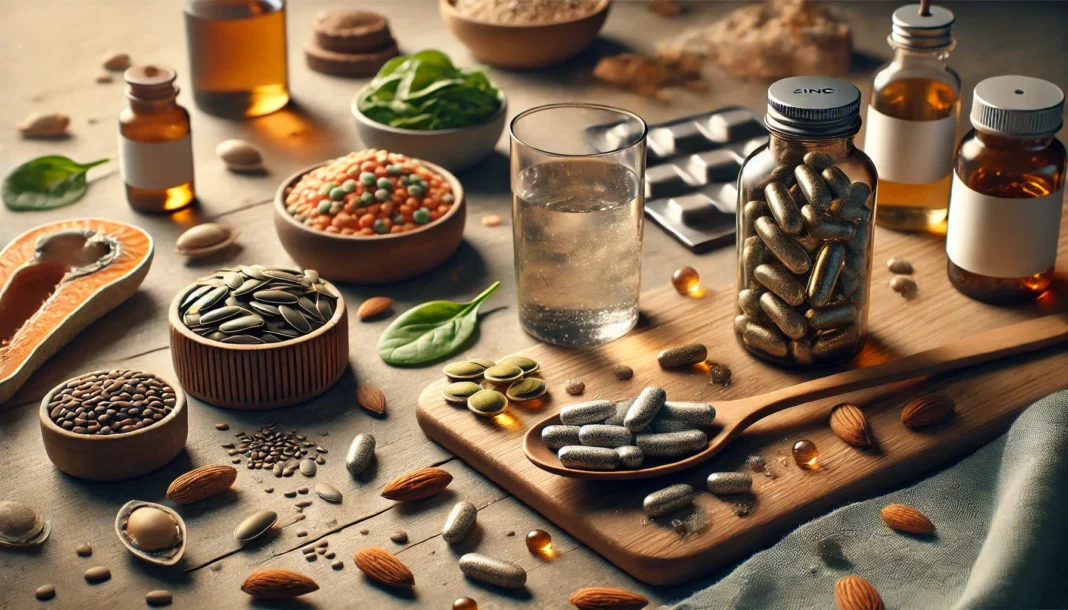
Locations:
(453, 149)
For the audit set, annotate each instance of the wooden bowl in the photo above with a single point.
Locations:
(523, 46)
(116, 457)
(257, 377)
(378, 259)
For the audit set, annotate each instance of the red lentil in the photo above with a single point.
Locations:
(370, 192)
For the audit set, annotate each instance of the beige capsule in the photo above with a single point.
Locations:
(765, 339)
(819, 160)
(784, 208)
(824, 227)
(753, 210)
(790, 322)
(779, 280)
(782, 246)
(837, 181)
(749, 303)
(813, 187)
(239, 156)
(829, 263)
(829, 318)
(833, 342)
(801, 351)
(460, 522)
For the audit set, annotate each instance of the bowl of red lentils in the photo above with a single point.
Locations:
(370, 217)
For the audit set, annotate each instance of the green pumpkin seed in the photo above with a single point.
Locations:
(458, 393)
(275, 297)
(195, 294)
(295, 319)
(503, 373)
(526, 389)
(483, 362)
(527, 365)
(464, 369)
(487, 402)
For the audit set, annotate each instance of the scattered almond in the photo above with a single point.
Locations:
(603, 598)
(927, 410)
(417, 484)
(116, 62)
(904, 518)
(855, 593)
(371, 398)
(383, 567)
(278, 584)
(850, 424)
(39, 125)
(201, 483)
(491, 220)
(104, 77)
(374, 306)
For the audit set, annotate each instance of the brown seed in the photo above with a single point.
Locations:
(855, 593)
(574, 387)
(159, 597)
(927, 410)
(381, 566)
(371, 398)
(904, 518)
(374, 306)
(850, 424)
(278, 584)
(904, 285)
(399, 536)
(622, 372)
(683, 355)
(201, 483)
(97, 574)
(45, 592)
(417, 484)
(222, 426)
(604, 598)
(491, 220)
(84, 550)
(900, 266)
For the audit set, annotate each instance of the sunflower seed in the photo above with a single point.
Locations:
(294, 318)
(241, 324)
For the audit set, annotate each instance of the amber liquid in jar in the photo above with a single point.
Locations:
(915, 207)
(1010, 168)
(237, 56)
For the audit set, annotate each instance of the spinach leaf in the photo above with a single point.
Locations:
(45, 183)
(429, 332)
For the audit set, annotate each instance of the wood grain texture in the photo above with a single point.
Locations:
(606, 515)
(257, 377)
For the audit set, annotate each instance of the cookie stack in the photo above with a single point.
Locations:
(349, 43)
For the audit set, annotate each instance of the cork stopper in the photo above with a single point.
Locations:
(150, 82)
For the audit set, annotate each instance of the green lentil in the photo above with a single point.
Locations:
(380, 226)
(324, 207)
(421, 216)
(367, 197)
(348, 186)
(382, 195)
(337, 193)
(385, 183)
(368, 178)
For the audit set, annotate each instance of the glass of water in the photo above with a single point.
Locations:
(578, 196)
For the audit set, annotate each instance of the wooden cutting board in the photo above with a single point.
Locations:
(607, 515)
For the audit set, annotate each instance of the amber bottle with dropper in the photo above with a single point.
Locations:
(155, 142)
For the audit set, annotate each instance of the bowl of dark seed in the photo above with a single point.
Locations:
(113, 425)
(253, 337)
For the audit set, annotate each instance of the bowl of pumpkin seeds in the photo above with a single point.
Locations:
(256, 337)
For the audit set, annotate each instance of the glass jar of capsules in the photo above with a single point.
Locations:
(806, 202)
(1008, 189)
(910, 131)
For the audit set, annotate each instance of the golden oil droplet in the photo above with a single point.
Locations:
(540, 542)
(464, 603)
(806, 455)
(686, 280)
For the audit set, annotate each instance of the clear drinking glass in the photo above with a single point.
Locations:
(578, 198)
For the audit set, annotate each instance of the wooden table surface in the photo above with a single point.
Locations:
(49, 55)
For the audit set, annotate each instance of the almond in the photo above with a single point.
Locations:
(904, 518)
(927, 410)
(855, 593)
(417, 484)
(850, 424)
(278, 584)
(201, 483)
(371, 398)
(374, 306)
(603, 598)
(383, 567)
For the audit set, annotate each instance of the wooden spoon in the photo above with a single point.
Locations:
(734, 416)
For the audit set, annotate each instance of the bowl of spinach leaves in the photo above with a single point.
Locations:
(423, 106)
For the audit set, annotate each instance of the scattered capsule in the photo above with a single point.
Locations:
(789, 321)
(644, 408)
(683, 355)
(837, 181)
(700, 413)
(784, 208)
(588, 458)
(556, 437)
(827, 318)
(829, 263)
(765, 339)
(806, 455)
(361, 451)
(672, 444)
(824, 227)
(600, 435)
(782, 245)
(813, 187)
(668, 500)
(819, 160)
(459, 523)
(594, 411)
(630, 457)
(540, 542)
(483, 568)
(729, 482)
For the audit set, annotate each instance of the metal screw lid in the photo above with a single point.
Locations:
(922, 32)
(1018, 106)
(813, 106)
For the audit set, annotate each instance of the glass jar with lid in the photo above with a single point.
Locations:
(910, 132)
(1008, 190)
(806, 202)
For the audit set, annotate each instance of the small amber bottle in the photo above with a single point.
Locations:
(912, 120)
(1008, 189)
(155, 142)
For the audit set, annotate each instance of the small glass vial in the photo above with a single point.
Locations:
(1008, 187)
(912, 121)
(237, 56)
(155, 142)
(807, 203)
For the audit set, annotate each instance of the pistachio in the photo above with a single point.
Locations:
(239, 156)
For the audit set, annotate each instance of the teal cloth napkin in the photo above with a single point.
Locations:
(1001, 542)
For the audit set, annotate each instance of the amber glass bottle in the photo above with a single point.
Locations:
(237, 56)
(912, 121)
(155, 142)
(1008, 189)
